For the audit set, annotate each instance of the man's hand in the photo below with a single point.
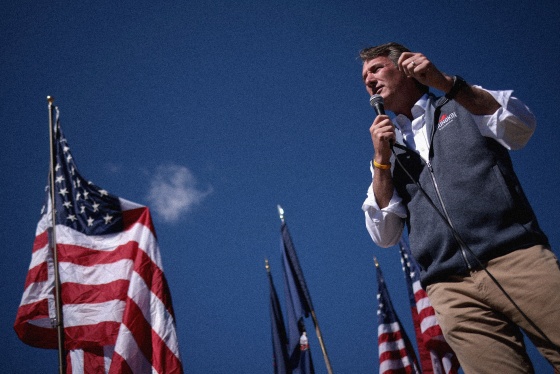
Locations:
(382, 136)
(417, 66)
(475, 100)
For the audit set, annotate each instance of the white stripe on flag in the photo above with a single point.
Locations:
(154, 312)
(37, 291)
(91, 314)
(95, 274)
(427, 322)
(388, 365)
(127, 348)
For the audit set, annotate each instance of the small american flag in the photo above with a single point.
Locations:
(396, 354)
(117, 310)
(436, 356)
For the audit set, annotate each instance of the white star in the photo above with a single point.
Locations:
(78, 183)
(95, 207)
(78, 195)
(86, 195)
(66, 148)
(63, 191)
(57, 167)
(82, 209)
(59, 179)
(68, 158)
(72, 217)
(90, 221)
(107, 218)
(103, 192)
(67, 204)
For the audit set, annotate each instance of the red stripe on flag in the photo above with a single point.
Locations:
(119, 365)
(393, 355)
(94, 360)
(389, 337)
(41, 241)
(75, 293)
(39, 273)
(405, 370)
(154, 277)
(139, 215)
(150, 344)
(33, 335)
(88, 336)
(88, 257)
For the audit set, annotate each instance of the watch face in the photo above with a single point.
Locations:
(458, 84)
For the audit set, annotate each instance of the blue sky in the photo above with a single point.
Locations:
(214, 112)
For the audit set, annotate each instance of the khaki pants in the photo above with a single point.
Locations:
(482, 325)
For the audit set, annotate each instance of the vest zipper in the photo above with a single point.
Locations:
(455, 235)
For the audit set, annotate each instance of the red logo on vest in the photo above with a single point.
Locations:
(446, 119)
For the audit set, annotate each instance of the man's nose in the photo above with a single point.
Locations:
(370, 79)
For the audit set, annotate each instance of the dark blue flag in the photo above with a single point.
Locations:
(293, 263)
(279, 338)
(298, 305)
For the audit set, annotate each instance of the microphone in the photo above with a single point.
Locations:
(376, 101)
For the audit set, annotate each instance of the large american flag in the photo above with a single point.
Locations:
(436, 356)
(116, 305)
(396, 354)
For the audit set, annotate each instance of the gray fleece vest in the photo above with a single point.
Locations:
(478, 191)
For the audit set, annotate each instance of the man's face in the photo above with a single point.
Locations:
(382, 77)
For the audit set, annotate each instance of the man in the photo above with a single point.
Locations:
(445, 172)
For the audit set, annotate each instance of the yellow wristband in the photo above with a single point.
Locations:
(382, 166)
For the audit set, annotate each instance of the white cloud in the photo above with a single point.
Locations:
(173, 192)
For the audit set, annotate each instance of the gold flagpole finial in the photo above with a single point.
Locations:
(50, 99)
(375, 262)
(280, 213)
(266, 265)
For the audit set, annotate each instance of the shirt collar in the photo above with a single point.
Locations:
(420, 107)
(417, 111)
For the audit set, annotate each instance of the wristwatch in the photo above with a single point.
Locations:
(458, 84)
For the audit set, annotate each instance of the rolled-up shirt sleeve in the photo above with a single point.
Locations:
(385, 226)
(512, 125)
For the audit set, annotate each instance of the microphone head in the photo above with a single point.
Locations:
(375, 100)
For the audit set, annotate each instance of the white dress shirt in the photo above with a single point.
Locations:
(512, 125)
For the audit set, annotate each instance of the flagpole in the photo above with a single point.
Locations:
(58, 301)
(313, 316)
